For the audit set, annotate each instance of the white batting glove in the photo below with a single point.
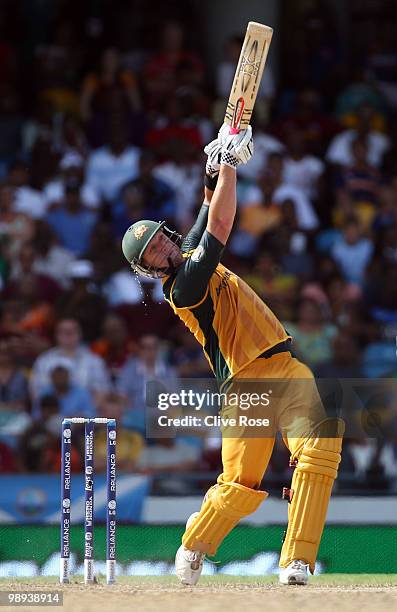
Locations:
(213, 151)
(237, 148)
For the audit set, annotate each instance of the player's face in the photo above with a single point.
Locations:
(162, 253)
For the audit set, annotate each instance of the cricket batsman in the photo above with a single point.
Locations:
(242, 339)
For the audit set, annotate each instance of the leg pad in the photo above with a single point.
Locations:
(223, 507)
(312, 483)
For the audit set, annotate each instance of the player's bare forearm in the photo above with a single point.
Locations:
(223, 205)
(208, 193)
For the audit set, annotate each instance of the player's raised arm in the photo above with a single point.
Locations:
(223, 205)
(236, 149)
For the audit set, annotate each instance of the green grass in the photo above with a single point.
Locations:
(332, 580)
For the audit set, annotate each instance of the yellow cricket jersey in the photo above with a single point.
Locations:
(233, 325)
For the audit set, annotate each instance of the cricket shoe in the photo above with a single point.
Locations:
(189, 563)
(295, 573)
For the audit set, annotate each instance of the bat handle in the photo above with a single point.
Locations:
(237, 116)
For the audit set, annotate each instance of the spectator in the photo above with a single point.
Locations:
(301, 170)
(40, 446)
(112, 89)
(307, 115)
(291, 244)
(358, 92)
(161, 75)
(57, 67)
(147, 366)
(97, 87)
(146, 197)
(381, 296)
(23, 267)
(352, 252)
(312, 333)
(82, 301)
(183, 173)
(124, 287)
(88, 370)
(340, 149)
(379, 358)
(28, 301)
(14, 404)
(279, 192)
(385, 221)
(173, 127)
(111, 166)
(72, 399)
(114, 346)
(104, 252)
(259, 214)
(39, 128)
(72, 139)
(27, 200)
(170, 455)
(15, 227)
(345, 360)
(343, 298)
(14, 392)
(52, 259)
(72, 223)
(71, 168)
(130, 442)
(358, 186)
(43, 163)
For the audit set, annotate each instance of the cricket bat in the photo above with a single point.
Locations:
(248, 76)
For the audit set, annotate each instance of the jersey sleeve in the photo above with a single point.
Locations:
(191, 241)
(192, 278)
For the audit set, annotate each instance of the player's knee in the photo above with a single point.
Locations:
(321, 452)
(250, 481)
(234, 500)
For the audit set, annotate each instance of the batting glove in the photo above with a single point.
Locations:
(237, 148)
(213, 152)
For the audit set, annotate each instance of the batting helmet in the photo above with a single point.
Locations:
(137, 238)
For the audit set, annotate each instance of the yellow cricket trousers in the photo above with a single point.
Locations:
(245, 458)
(313, 440)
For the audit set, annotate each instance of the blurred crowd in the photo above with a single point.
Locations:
(95, 136)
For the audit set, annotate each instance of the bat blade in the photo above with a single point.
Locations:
(248, 75)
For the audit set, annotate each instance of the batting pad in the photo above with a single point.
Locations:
(223, 507)
(311, 486)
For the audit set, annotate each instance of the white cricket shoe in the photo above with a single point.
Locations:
(189, 563)
(295, 573)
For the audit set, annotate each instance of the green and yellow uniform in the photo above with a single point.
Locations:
(243, 339)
